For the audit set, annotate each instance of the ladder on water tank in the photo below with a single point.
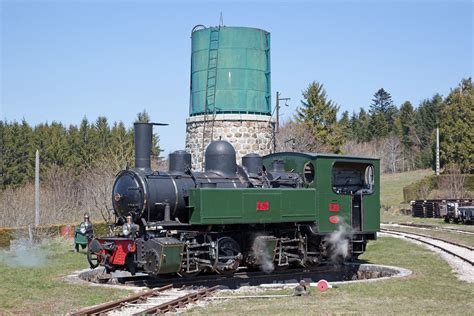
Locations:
(210, 102)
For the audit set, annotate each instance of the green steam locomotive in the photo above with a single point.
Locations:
(270, 212)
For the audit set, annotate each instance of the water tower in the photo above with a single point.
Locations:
(230, 91)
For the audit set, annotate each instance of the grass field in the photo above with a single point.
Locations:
(432, 289)
(393, 183)
(40, 289)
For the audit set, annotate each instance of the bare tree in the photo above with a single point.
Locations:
(451, 184)
(294, 136)
(393, 153)
(98, 183)
(389, 150)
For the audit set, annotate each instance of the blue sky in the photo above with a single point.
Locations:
(63, 60)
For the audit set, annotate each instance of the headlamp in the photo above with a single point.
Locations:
(126, 229)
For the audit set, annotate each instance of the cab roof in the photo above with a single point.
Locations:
(320, 155)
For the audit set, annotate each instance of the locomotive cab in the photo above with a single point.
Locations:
(347, 192)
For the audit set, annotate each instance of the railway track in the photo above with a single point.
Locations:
(157, 301)
(432, 227)
(460, 251)
(432, 237)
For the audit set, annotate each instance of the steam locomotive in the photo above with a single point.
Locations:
(270, 212)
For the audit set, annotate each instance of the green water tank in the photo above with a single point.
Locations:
(230, 71)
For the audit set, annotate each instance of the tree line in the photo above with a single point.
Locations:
(73, 148)
(403, 136)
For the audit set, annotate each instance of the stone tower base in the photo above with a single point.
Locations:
(248, 133)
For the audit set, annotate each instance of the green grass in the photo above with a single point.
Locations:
(393, 183)
(41, 290)
(397, 217)
(432, 289)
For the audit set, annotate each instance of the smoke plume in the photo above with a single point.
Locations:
(23, 253)
(263, 256)
(338, 242)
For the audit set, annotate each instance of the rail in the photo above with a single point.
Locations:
(432, 227)
(407, 235)
(178, 302)
(109, 306)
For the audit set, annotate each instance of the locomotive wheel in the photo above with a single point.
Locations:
(152, 261)
(93, 259)
(228, 256)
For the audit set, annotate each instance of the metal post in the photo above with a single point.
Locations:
(37, 189)
(276, 129)
(437, 151)
(277, 124)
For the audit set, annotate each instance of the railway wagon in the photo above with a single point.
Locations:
(269, 212)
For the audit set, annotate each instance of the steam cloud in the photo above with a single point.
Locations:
(262, 255)
(23, 253)
(338, 242)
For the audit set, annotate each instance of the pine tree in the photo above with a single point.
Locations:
(427, 116)
(17, 154)
(143, 117)
(404, 123)
(382, 114)
(404, 128)
(456, 131)
(364, 122)
(74, 160)
(320, 115)
(121, 146)
(345, 126)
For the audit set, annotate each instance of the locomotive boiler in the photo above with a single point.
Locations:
(270, 212)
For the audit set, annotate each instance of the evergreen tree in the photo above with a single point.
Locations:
(143, 117)
(404, 123)
(359, 126)
(74, 160)
(382, 114)
(73, 148)
(101, 138)
(427, 116)
(18, 160)
(320, 115)
(364, 122)
(456, 131)
(345, 126)
(404, 128)
(121, 146)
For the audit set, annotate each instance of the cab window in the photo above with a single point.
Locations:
(352, 178)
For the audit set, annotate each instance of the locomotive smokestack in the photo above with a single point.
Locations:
(143, 142)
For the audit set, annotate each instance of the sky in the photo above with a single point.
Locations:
(65, 60)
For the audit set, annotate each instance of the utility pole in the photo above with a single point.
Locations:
(437, 151)
(277, 122)
(37, 189)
